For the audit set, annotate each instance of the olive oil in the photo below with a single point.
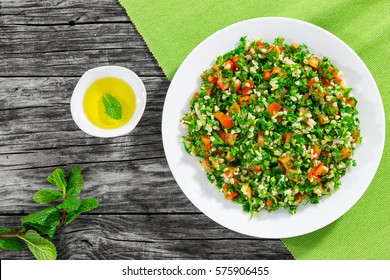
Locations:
(95, 109)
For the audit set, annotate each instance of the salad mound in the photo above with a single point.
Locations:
(274, 125)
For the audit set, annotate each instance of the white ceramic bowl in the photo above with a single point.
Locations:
(76, 103)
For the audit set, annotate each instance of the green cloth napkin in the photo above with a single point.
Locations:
(172, 28)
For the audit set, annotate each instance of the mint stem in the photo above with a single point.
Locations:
(63, 218)
(11, 235)
(21, 233)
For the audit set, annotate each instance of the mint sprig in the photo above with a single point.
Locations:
(41, 248)
(49, 220)
(113, 106)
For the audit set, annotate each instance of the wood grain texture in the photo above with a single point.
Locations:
(45, 46)
(61, 12)
(153, 237)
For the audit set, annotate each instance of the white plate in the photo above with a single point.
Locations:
(192, 178)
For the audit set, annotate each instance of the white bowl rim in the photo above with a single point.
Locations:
(91, 76)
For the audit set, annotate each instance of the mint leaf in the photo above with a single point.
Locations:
(41, 248)
(75, 182)
(10, 243)
(86, 205)
(45, 220)
(46, 196)
(57, 178)
(113, 106)
(70, 204)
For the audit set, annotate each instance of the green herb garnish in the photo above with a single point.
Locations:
(49, 220)
(113, 106)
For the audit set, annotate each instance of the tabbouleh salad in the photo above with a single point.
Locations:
(274, 125)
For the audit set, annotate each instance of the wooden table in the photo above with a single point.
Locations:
(45, 46)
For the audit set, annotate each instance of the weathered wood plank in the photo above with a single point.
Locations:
(75, 63)
(136, 186)
(17, 39)
(64, 50)
(28, 139)
(153, 237)
(122, 170)
(35, 100)
(60, 12)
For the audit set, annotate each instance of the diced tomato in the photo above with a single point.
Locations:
(225, 187)
(292, 175)
(250, 82)
(196, 95)
(269, 203)
(237, 82)
(351, 102)
(355, 137)
(230, 139)
(230, 195)
(274, 48)
(326, 82)
(314, 62)
(224, 119)
(212, 79)
(330, 69)
(222, 84)
(246, 87)
(266, 75)
(261, 138)
(221, 134)
(273, 108)
(323, 119)
(207, 142)
(234, 60)
(320, 169)
(228, 65)
(244, 100)
(287, 137)
(280, 48)
(299, 198)
(229, 170)
(276, 70)
(248, 192)
(316, 152)
(337, 80)
(286, 162)
(313, 177)
(256, 169)
(310, 83)
(229, 157)
(294, 46)
(216, 67)
(335, 74)
(209, 92)
(345, 153)
(235, 107)
(260, 45)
